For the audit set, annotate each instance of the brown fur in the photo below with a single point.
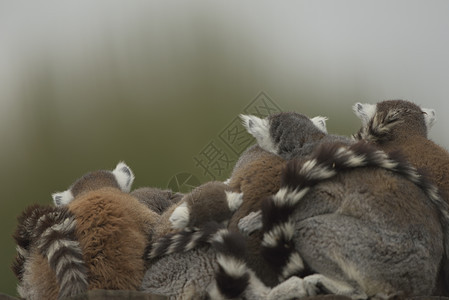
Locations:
(408, 134)
(256, 178)
(93, 181)
(39, 281)
(257, 175)
(112, 229)
(208, 202)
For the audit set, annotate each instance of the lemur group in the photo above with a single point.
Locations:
(303, 213)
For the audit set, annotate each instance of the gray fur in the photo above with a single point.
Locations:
(212, 201)
(398, 125)
(156, 199)
(121, 177)
(49, 243)
(369, 228)
(294, 134)
(207, 272)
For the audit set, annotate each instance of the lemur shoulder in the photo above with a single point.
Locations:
(402, 125)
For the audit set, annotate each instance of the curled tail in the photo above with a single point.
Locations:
(185, 240)
(52, 231)
(232, 276)
(299, 176)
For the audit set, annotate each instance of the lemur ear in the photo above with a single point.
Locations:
(124, 176)
(429, 117)
(62, 198)
(260, 129)
(320, 122)
(365, 111)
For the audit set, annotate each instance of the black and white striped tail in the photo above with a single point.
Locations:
(52, 231)
(182, 241)
(298, 177)
(232, 276)
(24, 236)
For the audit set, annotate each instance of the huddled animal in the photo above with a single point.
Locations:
(399, 125)
(365, 223)
(81, 243)
(96, 234)
(49, 263)
(210, 263)
(322, 214)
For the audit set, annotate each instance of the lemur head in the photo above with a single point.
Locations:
(284, 132)
(393, 119)
(121, 177)
(156, 199)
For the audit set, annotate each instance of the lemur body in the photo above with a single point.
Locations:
(257, 175)
(49, 259)
(104, 232)
(185, 270)
(331, 226)
(398, 125)
(103, 224)
(365, 231)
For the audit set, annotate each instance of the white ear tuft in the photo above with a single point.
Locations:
(260, 129)
(320, 123)
(429, 117)
(365, 112)
(180, 217)
(62, 198)
(124, 176)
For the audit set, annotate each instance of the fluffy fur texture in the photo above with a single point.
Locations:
(398, 125)
(369, 228)
(325, 163)
(46, 244)
(104, 230)
(121, 177)
(155, 199)
(257, 175)
(210, 201)
(216, 272)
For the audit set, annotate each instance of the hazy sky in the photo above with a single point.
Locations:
(366, 50)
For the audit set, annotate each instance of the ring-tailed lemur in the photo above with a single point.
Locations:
(106, 221)
(364, 230)
(402, 125)
(257, 175)
(49, 262)
(181, 269)
(212, 201)
(95, 217)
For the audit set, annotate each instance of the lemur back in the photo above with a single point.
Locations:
(257, 175)
(103, 223)
(398, 125)
(355, 228)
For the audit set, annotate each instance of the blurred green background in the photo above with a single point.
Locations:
(86, 84)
